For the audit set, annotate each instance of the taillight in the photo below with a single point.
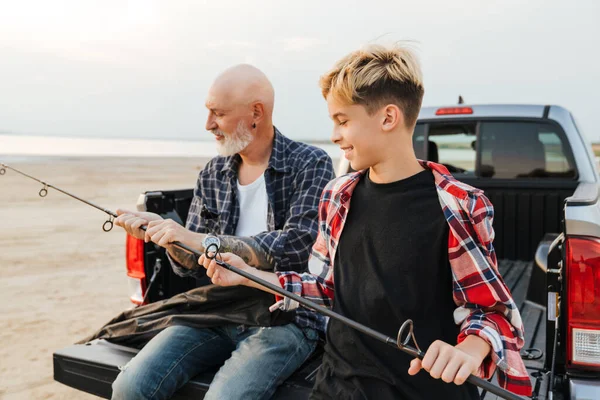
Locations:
(454, 110)
(134, 253)
(583, 306)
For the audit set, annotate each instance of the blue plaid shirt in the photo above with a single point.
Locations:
(295, 178)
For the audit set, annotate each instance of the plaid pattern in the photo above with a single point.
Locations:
(485, 305)
(295, 178)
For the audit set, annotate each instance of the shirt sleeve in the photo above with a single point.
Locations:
(180, 270)
(485, 305)
(195, 224)
(317, 284)
(290, 246)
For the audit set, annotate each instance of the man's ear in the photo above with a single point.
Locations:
(258, 112)
(391, 117)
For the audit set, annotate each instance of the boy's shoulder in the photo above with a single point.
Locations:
(463, 192)
(341, 184)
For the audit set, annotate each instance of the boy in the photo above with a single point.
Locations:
(404, 240)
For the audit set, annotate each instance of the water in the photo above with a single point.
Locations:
(20, 148)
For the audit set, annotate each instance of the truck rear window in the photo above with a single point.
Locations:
(501, 149)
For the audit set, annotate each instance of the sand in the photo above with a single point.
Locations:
(61, 276)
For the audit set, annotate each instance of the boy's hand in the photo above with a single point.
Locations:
(452, 364)
(221, 276)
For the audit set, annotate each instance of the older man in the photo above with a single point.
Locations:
(259, 199)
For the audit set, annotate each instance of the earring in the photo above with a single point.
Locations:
(253, 126)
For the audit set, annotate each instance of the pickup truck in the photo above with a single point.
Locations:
(535, 166)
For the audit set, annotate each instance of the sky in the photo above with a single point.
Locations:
(142, 68)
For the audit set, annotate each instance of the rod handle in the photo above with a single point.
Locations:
(490, 387)
(472, 379)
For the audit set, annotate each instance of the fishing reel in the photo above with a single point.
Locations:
(2, 171)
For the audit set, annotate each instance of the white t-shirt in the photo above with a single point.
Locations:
(253, 203)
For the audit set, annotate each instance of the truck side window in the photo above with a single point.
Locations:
(512, 150)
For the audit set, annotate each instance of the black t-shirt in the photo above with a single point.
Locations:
(391, 265)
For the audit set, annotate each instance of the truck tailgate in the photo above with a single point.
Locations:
(92, 367)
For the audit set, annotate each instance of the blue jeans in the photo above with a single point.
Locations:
(255, 360)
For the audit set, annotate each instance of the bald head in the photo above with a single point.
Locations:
(242, 85)
(240, 105)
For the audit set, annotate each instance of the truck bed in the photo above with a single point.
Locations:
(92, 367)
(517, 275)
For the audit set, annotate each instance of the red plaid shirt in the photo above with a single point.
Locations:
(485, 305)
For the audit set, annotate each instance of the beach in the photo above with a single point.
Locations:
(61, 276)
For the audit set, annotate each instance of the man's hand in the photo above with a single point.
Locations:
(450, 363)
(131, 221)
(221, 276)
(163, 232)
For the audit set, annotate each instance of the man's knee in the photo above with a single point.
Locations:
(129, 385)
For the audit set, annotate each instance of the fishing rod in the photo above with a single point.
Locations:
(398, 343)
(212, 252)
(106, 227)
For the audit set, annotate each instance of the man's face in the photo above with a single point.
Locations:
(356, 132)
(230, 123)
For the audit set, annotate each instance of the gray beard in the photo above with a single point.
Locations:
(234, 142)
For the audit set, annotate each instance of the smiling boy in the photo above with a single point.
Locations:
(403, 239)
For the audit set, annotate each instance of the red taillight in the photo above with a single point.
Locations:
(454, 110)
(134, 253)
(583, 301)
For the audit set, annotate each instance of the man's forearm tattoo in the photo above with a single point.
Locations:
(187, 260)
(249, 250)
(245, 247)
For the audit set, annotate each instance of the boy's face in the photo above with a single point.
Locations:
(356, 132)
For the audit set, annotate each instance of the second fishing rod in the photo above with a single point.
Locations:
(212, 251)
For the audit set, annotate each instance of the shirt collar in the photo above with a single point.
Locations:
(277, 160)
(443, 180)
(448, 183)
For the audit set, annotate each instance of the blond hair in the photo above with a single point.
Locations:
(375, 76)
